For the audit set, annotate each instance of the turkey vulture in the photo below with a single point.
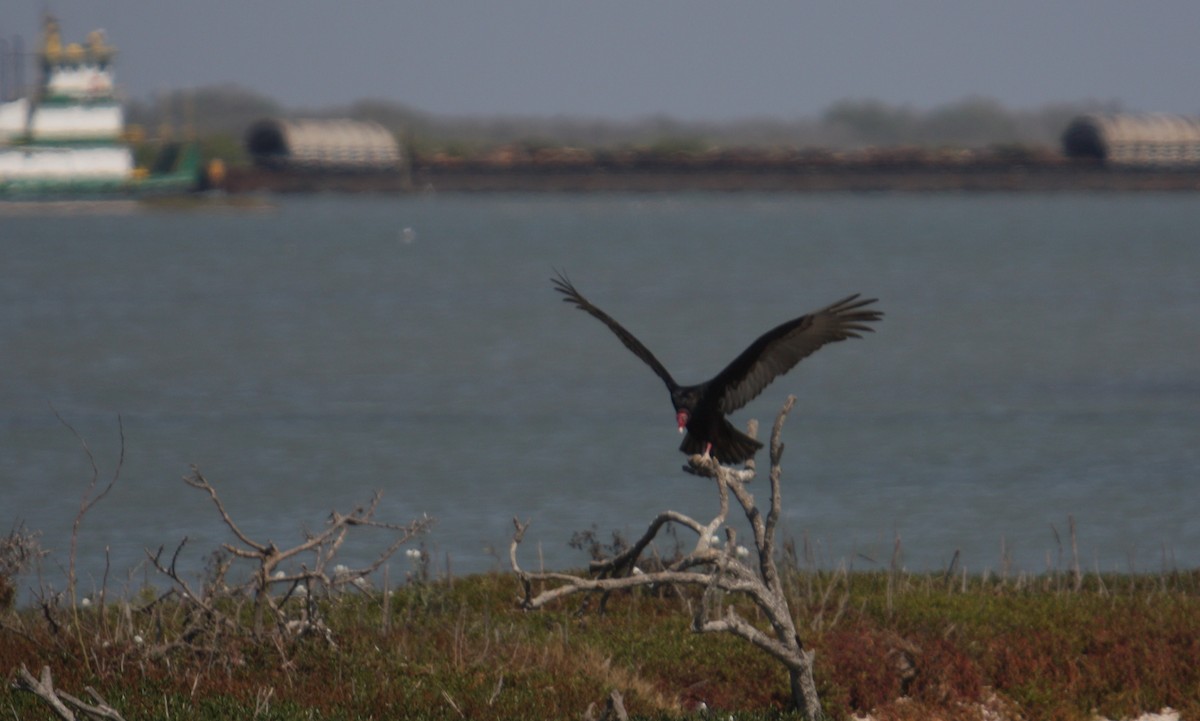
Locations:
(701, 409)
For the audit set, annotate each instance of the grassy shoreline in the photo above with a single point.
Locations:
(894, 644)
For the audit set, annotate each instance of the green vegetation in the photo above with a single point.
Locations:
(286, 633)
(227, 111)
(899, 645)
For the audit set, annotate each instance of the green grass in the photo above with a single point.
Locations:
(898, 645)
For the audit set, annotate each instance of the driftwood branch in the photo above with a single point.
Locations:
(63, 704)
(707, 566)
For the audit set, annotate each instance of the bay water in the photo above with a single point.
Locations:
(1039, 360)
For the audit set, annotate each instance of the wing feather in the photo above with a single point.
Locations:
(563, 285)
(778, 350)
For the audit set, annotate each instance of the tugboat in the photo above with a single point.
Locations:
(68, 139)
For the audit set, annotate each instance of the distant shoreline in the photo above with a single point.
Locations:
(482, 177)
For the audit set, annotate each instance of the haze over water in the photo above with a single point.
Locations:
(1038, 359)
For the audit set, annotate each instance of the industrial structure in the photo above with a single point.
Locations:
(338, 145)
(1134, 139)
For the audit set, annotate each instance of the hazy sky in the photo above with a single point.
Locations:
(704, 59)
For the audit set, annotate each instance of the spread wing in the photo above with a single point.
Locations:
(563, 285)
(779, 349)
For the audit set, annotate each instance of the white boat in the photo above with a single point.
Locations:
(68, 139)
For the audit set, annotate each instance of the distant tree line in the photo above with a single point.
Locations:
(220, 115)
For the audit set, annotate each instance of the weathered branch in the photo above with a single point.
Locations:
(43, 688)
(88, 500)
(717, 571)
(735, 624)
(185, 591)
(99, 710)
(776, 474)
(62, 702)
(197, 480)
(268, 558)
(625, 560)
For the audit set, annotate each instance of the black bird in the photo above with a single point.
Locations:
(701, 409)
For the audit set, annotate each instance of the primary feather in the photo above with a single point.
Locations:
(702, 407)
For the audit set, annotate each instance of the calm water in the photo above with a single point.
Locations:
(1040, 358)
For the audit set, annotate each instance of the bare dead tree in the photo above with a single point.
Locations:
(90, 496)
(270, 586)
(49, 599)
(718, 571)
